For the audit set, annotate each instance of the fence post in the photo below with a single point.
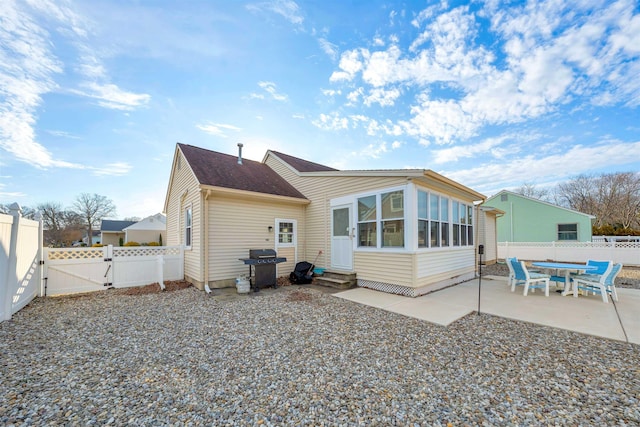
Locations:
(11, 277)
(160, 261)
(40, 253)
(108, 257)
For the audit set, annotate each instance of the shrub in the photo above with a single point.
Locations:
(97, 245)
(153, 244)
(132, 244)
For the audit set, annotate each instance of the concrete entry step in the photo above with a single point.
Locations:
(336, 279)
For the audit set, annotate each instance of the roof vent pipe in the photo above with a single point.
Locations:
(239, 153)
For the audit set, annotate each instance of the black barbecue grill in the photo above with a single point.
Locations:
(264, 263)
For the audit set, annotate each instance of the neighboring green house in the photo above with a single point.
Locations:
(531, 220)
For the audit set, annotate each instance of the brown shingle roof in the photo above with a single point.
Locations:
(303, 165)
(222, 170)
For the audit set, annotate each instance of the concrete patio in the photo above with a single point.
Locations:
(585, 314)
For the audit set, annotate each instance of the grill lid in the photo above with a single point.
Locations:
(262, 253)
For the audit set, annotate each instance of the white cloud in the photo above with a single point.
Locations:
(458, 152)
(554, 52)
(373, 150)
(331, 92)
(112, 97)
(27, 71)
(381, 96)
(218, 129)
(350, 63)
(556, 166)
(270, 88)
(112, 169)
(288, 9)
(62, 134)
(331, 121)
(329, 48)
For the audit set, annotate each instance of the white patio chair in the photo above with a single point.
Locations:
(511, 273)
(605, 286)
(530, 280)
(594, 275)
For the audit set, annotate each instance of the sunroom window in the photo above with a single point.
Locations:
(393, 219)
(462, 224)
(367, 221)
(444, 221)
(381, 220)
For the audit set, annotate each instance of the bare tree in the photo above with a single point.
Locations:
(614, 198)
(529, 189)
(92, 208)
(61, 227)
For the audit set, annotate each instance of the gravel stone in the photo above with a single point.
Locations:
(298, 356)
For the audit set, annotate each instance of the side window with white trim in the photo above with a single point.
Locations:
(188, 226)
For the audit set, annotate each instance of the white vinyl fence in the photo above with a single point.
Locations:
(20, 254)
(627, 253)
(28, 270)
(72, 270)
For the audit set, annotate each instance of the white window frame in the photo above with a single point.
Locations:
(565, 232)
(294, 233)
(468, 223)
(188, 213)
(379, 221)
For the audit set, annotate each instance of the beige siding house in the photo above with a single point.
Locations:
(150, 229)
(405, 231)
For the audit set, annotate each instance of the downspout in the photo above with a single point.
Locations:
(205, 239)
(511, 219)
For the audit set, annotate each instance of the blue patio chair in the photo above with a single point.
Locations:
(511, 273)
(530, 280)
(605, 286)
(594, 275)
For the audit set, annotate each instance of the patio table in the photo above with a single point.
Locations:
(567, 267)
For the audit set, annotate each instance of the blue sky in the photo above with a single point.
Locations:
(94, 94)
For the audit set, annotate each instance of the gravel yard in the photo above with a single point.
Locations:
(298, 356)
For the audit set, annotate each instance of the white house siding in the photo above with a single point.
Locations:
(410, 273)
(237, 225)
(393, 268)
(146, 236)
(285, 268)
(111, 239)
(183, 180)
(414, 274)
(437, 269)
(487, 235)
(320, 190)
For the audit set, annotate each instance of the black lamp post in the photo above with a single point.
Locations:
(480, 253)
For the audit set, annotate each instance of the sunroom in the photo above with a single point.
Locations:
(409, 239)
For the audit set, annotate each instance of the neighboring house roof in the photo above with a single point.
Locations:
(157, 222)
(223, 170)
(302, 165)
(114, 226)
(495, 196)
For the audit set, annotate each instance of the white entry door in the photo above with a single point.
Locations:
(341, 238)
